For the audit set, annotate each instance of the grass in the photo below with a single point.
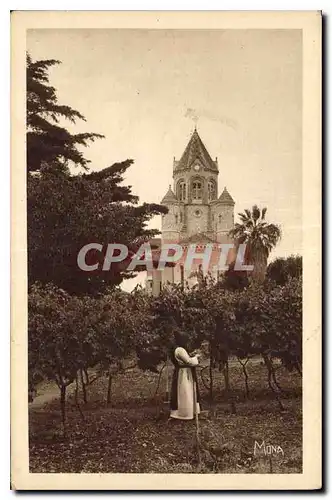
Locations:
(133, 433)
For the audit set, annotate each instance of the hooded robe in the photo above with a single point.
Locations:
(184, 385)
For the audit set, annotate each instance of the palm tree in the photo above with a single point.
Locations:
(259, 236)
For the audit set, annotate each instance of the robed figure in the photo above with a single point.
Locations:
(184, 392)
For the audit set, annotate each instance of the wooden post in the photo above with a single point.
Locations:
(197, 443)
(167, 381)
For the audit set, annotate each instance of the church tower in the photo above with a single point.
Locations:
(195, 212)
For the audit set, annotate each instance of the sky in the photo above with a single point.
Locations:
(145, 90)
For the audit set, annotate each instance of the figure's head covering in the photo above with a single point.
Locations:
(181, 339)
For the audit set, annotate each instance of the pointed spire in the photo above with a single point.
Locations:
(225, 198)
(169, 197)
(195, 150)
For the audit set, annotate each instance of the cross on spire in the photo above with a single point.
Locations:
(192, 115)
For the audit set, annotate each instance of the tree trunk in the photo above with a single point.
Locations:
(109, 387)
(260, 265)
(211, 377)
(274, 377)
(272, 372)
(83, 386)
(299, 368)
(270, 369)
(76, 398)
(87, 381)
(63, 409)
(226, 378)
(245, 373)
(227, 385)
(271, 466)
(158, 383)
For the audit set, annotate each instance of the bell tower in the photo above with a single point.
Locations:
(195, 189)
(195, 213)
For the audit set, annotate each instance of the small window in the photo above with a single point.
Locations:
(181, 217)
(219, 218)
(176, 218)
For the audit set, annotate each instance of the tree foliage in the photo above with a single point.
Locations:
(50, 144)
(67, 212)
(71, 334)
(67, 333)
(256, 320)
(280, 270)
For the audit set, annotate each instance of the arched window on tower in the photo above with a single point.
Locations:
(212, 192)
(197, 190)
(219, 218)
(181, 191)
(176, 218)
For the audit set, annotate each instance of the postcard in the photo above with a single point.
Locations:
(166, 250)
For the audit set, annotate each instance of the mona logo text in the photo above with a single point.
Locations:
(267, 449)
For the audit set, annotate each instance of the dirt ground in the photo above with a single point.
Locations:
(134, 434)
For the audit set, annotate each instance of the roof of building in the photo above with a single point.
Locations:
(169, 197)
(195, 150)
(226, 198)
(198, 238)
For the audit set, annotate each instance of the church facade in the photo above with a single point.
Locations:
(197, 214)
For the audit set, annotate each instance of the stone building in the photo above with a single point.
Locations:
(196, 214)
